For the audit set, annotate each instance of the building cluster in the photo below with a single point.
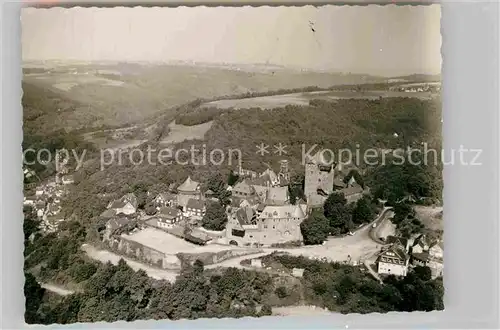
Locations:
(261, 211)
(46, 201)
(399, 254)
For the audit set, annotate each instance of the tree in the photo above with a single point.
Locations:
(215, 217)
(363, 211)
(232, 178)
(336, 211)
(315, 228)
(33, 294)
(266, 310)
(423, 272)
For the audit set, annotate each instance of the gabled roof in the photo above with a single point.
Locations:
(270, 174)
(356, 189)
(168, 212)
(396, 240)
(244, 187)
(423, 256)
(195, 204)
(116, 223)
(395, 250)
(166, 196)
(109, 213)
(245, 216)
(189, 185)
(285, 211)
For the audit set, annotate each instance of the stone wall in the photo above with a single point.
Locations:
(144, 253)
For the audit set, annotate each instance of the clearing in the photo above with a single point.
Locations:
(431, 216)
(179, 133)
(278, 101)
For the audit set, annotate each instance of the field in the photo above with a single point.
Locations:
(276, 101)
(118, 94)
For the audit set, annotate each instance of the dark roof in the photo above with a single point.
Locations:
(356, 189)
(397, 240)
(244, 187)
(397, 250)
(195, 204)
(166, 196)
(168, 212)
(245, 216)
(109, 213)
(118, 222)
(424, 256)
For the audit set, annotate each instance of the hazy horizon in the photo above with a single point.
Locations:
(375, 40)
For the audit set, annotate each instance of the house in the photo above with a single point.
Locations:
(436, 251)
(67, 179)
(399, 241)
(270, 176)
(274, 224)
(126, 205)
(39, 191)
(393, 261)
(29, 201)
(195, 208)
(243, 189)
(244, 173)
(164, 200)
(421, 244)
(189, 189)
(115, 224)
(352, 193)
(298, 272)
(167, 217)
(256, 263)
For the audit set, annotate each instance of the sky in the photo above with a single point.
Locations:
(381, 40)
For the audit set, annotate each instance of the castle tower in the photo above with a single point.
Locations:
(284, 172)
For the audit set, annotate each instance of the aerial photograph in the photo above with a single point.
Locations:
(227, 162)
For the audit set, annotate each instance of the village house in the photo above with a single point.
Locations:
(125, 205)
(165, 200)
(29, 201)
(275, 224)
(195, 208)
(114, 224)
(428, 253)
(167, 217)
(244, 173)
(67, 179)
(189, 189)
(394, 259)
(243, 189)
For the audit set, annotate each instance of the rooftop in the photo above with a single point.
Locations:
(189, 185)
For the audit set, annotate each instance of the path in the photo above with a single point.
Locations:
(105, 256)
(56, 289)
(372, 272)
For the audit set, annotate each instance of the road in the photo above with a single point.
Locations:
(359, 246)
(386, 214)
